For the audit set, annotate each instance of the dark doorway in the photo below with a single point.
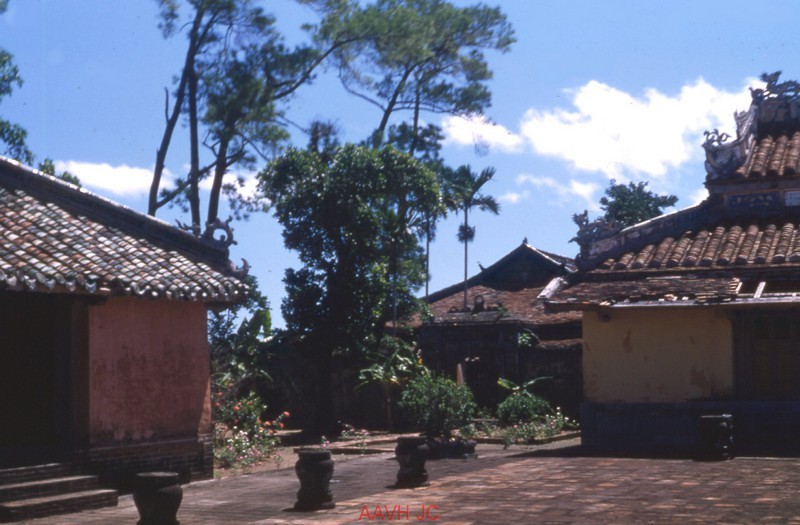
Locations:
(34, 377)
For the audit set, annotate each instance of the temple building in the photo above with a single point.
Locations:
(500, 329)
(698, 312)
(105, 361)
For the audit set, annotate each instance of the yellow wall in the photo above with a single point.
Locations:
(149, 370)
(657, 355)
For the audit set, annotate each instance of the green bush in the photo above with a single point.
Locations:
(522, 408)
(437, 405)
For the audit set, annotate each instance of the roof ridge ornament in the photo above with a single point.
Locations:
(724, 156)
(789, 90)
(226, 238)
(589, 232)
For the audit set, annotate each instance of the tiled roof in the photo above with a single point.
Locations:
(661, 291)
(772, 156)
(744, 242)
(499, 306)
(741, 245)
(523, 267)
(55, 237)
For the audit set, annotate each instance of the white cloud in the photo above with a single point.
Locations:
(481, 132)
(615, 133)
(566, 193)
(697, 196)
(122, 180)
(514, 197)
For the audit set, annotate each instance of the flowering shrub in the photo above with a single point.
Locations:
(244, 413)
(241, 438)
(360, 436)
(556, 422)
(542, 428)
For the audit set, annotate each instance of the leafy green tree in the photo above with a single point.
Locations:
(415, 57)
(236, 72)
(392, 366)
(12, 136)
(350, 215)
(419, 55)
(632, 203)
(464, 186)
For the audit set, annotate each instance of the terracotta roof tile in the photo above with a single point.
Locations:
(48, 246)
(773, 156)
(655, 290)
(746, 242)
(499, 306)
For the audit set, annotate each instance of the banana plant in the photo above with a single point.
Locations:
(522, 390)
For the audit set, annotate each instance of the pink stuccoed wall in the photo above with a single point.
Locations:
(148, 370)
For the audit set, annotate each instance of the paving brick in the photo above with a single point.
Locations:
(552, 485)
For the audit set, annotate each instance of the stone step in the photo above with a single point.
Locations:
(34, 472)
(57, 504)
(46, 487)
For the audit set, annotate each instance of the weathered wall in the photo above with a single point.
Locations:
(148, 370)
(657, 355)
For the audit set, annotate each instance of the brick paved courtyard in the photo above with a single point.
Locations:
(552, 484)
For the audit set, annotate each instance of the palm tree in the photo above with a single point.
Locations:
(465, 186)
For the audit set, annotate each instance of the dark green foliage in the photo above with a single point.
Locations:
(351, 214)
(632, 203)
(238, 363)
(522, 408)
(437, 405)
(352, 217)
(423, 55)
(236, 72)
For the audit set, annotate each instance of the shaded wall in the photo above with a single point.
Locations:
(488, 352)
(148, 388)
(149, 370)
(657, 355)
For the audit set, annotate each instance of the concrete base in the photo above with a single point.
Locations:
(761, 428)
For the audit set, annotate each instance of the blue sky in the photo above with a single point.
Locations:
(591, 91)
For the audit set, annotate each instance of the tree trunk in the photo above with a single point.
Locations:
(387, 393)
(377, 139)
(172, 120)
(466, 244)
(194, 170)
(216, 187)
(427, 256)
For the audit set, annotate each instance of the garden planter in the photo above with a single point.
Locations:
(157, 496)
(411, 454)
(451, 448)
(314, 468)
(716, 437)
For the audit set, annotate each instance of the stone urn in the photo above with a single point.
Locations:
(314, 468)
(716, 437)
(411, 453)
(157, 496)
